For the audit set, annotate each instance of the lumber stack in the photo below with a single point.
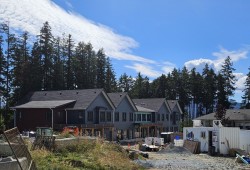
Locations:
(192, 146)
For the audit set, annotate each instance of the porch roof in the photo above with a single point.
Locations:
(48, 104)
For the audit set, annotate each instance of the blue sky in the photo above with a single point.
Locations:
(151, 37)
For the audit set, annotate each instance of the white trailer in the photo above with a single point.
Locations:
(221, 138)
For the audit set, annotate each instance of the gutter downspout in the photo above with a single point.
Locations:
(52, 120)
(169, 121)
(66, 116)
(14, 117)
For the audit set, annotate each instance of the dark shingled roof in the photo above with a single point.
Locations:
(83, 97)
(150, 103)
(116, 98)
(44, 104)
(239, 114)
(172, 103)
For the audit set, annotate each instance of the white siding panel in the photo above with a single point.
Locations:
(228, 136)
(245, 140)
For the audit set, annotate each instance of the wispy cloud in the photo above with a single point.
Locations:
(216, 64)
(68, 4)
(220, 57)
(144, 69)
(29, 15)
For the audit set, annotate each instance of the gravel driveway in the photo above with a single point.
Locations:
(180, 158)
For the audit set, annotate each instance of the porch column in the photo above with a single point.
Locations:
(155, 131)
(66, 116)
(148, 131)
(52, 119)
(140, 132)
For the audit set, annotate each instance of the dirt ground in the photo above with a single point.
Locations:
(179, 158)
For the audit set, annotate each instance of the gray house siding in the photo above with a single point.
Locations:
(175, 118)
(165, 115)
(97, 107)
(124, 126)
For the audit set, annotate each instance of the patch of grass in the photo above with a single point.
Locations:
(87, 154)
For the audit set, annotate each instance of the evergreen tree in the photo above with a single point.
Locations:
(90, 66)
(36, 74)
(196, 82)
(110, 80)
(46, 41)
(125, 83)
(137, 90)
(246, 96)
(221, 92)
(159, 86)
(2, 65)
(184, 88)
(173, 85)
(8, 69)
(80, 65)
(220, 114)
(208, 89)
(100, 69)
(227, 73)
(58, 75)
(21, 68)
(68, 55)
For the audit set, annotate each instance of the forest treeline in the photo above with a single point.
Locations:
(59, 63)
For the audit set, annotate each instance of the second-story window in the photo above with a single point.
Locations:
(109, 116)
(124, 116)
(149, 117)
(131, 115)
(102, 116)
(162, 117)
(90, 116)
(139, 117)
(158, 117)
(174, 120)
(144, 117)
(117, 116)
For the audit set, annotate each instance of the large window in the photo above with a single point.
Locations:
(90, 116)
(117, 116)
(158, 117)
(124, 116)
(149, 117)
(174, 120)
(144, 117)
(131, 115)
(167, 116)
(102, 116)
(109, 116)
(139, 117)
(162, 117)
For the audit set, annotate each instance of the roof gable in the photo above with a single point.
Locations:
(117, 98)
(82, 97)
(150, 103)
(174, 104)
